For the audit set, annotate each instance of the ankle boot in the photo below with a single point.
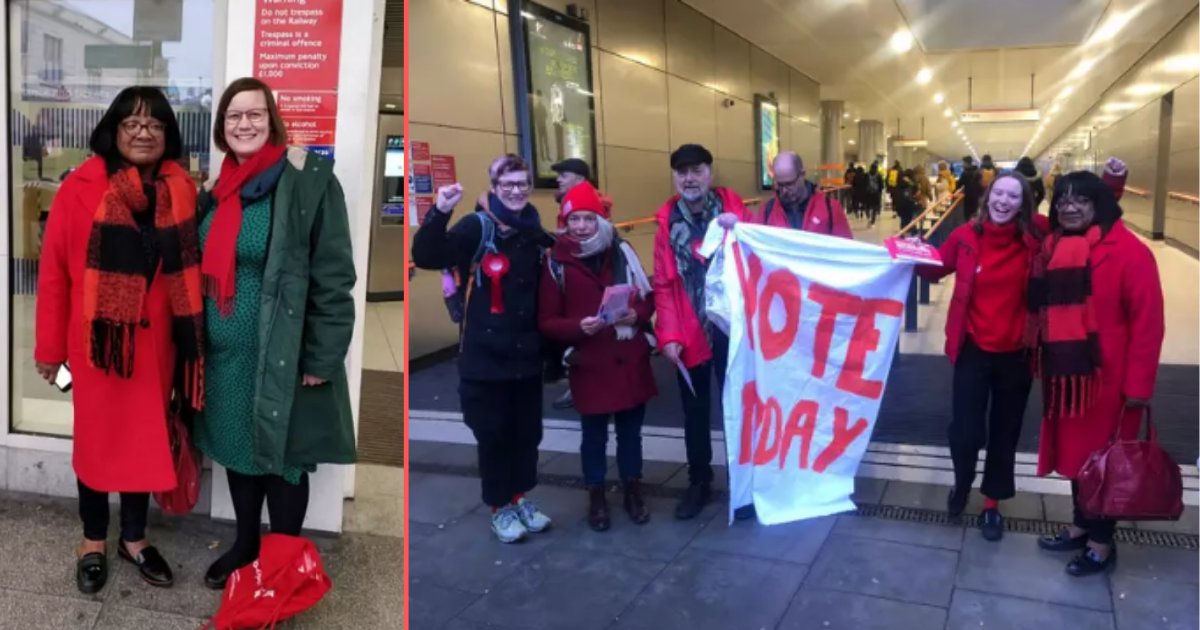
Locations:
(635, 504)
(597, 518)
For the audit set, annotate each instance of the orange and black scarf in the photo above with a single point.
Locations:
(1061, 327)
(115, 282)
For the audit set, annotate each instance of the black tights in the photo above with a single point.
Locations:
(286, 506)
(93, 511)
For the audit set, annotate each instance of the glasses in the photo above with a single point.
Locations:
(255, 116)
(134, 127)
(782, 184)
(513, 186)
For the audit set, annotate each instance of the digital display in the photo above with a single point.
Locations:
(767, 125)
(393, 157)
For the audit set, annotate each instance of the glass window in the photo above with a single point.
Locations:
(67, 60)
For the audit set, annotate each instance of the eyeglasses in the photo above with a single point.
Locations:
(255, 116)
(513, 186)
(134, 127)
(794, 182)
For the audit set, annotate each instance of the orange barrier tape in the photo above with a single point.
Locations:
(1184, 197)
(1140, 192)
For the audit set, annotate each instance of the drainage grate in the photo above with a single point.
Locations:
(1124, 535)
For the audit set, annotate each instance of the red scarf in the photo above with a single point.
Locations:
(220, 252)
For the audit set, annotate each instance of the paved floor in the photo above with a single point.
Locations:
(37, 587)
(847, 571)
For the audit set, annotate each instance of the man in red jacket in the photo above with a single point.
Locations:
(799, 204)
(685, 335)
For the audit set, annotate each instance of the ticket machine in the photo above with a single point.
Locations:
(385, 275)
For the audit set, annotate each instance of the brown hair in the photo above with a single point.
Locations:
(509, 163)
(278, 135)
(1024, 219)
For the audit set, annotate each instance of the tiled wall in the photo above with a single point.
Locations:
(1135, 140)
(660, 71)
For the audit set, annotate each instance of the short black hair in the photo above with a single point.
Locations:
(103, 141)
(1089, 185)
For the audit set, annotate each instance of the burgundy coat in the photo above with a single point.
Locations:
(1128, 301)
(609, 375)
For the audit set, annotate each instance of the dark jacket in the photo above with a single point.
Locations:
(1031, 175)
(306, 321)
(495, 347)
(607, 375)
(972, 188)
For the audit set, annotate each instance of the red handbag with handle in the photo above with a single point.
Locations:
(1131, 480)
(181, 499)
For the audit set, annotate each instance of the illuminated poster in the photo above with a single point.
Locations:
(561, 105)
(766, 124)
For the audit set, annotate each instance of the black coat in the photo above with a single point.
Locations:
(495, 347)
(972, 186)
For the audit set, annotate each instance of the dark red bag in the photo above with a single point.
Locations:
(1131, 480)
(182, 498)
(286, 580)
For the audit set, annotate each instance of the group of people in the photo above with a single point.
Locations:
(230, 305)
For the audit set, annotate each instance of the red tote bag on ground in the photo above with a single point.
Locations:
(1132, 480)
(286, 580)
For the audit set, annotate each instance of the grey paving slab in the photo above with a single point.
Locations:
(39, 535)
(460, 455)
(1159, 563)
(923, 534)
(465, 624)
(35, 610)
(661, 539)
(431, 606)
(815, 607)
(1023, 505)
(564, 588)
(791, 542)
(702, 590)
(189, 556)
(1144, 603)
(971, 610)
(868, 490)
(933, 497)
(464, 554)
(1015, 566)
(571, 465)
(441, 498)
(368, 585)
(897, 571)
(657, 473)
(114, 617)
(720, 477)
(425, 452)
(1189, 523)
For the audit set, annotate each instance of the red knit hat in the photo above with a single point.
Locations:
(581, 197)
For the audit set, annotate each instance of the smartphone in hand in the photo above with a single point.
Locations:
(63, 379)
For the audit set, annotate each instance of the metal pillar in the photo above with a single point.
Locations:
(1158, 218)
(832, 151)
(870, 141)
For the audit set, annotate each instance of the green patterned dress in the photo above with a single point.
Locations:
(226, 433)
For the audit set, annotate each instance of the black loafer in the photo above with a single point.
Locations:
(1062, 542)
(956, 502)
(694, 500)
(745, 513)
(153, 568)
(991, 524)
(215, 578)
(91, 572)
(1084, 564)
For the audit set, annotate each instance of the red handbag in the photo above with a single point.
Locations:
(181, 499)
(1131, 480)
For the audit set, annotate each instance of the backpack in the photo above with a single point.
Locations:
(828, 214)
(873, 184)
(892, 177)
(455, 287)
(286, 580)
(986, 177)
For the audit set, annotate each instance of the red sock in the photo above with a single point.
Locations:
(990, 504)
(517, 497)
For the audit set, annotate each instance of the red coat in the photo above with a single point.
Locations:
(610, 375)
(816, 219)
(1128, 302)
(677, 320)
(960, 256)
(120, 437)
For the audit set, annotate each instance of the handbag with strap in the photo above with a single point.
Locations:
(1131, 480)
(181, 499)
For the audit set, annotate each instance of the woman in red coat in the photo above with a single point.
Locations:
(119, 301)
(1096, 321)
(990, 256)
(609, 361)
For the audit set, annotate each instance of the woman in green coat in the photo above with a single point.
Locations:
(278, 272)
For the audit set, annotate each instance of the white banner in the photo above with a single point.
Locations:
(813, 324)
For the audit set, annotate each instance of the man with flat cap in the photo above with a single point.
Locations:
(799, 204)
(684, 332)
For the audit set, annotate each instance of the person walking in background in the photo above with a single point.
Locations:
(686, 336)
(500, 357)
(905, 198)
(923, 192)
(874, 192)
(278, 273)
(1028, 170)
(609, 360)
(1097, 327)
(118, 299)
(990, 258)
(971, 186)
(1052, 176)
(987, 172)
(946, 182)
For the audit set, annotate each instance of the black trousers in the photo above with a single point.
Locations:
(506, 418)
(697, 410)
(93, 511)
(980, 378)
(1100, 530)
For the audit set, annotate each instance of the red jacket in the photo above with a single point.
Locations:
(120, 438)
(609, 375)
(816, 220)
(960, 256)
(677, 321)
(1128, 302)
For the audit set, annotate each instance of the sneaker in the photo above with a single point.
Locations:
(991, 524)
(694, 500)
(506, 524)
(563, 402)
(531, 517)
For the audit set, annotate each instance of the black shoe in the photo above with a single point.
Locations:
(1087, 564)
(1063, 542)
(991, 524)
(218, 572)
(91, 572)
(694, 500)
(745, 513)
(956, 502)
(153, 568)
